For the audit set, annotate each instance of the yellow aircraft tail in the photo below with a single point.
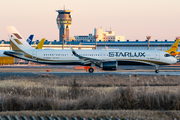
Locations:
(41, 43)
(174, 47)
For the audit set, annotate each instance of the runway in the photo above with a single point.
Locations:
(63, 74)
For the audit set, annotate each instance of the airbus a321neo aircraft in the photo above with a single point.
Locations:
(105, 59)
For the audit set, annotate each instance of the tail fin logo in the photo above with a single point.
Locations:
(29, 39)
(174, 46)
(17, 35)
(18, 41)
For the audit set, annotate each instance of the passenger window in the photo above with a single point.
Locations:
(167, 55)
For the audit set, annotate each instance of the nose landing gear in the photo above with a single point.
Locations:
(156, 69)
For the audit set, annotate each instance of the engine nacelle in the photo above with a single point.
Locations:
(110, 65)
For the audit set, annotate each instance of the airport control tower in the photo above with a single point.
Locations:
(64, 21)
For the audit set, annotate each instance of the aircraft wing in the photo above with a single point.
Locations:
(87, 60)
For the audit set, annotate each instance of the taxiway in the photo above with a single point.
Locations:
(63, 74)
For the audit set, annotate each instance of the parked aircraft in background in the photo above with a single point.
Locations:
(105, 59)
(173, 49)
(40, 44)
(30, 38)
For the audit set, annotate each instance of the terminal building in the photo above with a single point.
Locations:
(122, 45)
(101, 36)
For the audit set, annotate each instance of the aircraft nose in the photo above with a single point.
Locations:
(174, 60)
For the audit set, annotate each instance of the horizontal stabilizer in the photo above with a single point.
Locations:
(10, 53)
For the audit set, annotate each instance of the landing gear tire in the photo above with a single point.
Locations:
(156, 71)
(91, 70)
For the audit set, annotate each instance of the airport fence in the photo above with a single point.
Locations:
(66, 118)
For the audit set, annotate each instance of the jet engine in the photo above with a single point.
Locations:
(109, 65)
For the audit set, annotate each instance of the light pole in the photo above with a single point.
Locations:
(63, 36)
(148, 37)
(95, 36)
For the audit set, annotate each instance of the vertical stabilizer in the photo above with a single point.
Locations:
(41, 43)
(18, 43)
(174, 47)
(30, 38)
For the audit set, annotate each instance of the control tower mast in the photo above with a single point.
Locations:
(64, 21)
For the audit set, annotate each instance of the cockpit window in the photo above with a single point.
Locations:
(167, 55)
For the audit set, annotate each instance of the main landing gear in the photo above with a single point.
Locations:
(91, 70)
(156, 69)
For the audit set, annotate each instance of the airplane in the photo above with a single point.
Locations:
(105, 59)
(173, 49)
(40, 44)
(29, 39)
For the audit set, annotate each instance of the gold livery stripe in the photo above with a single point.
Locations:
(17, 35)
(14, 47)
(18, 41)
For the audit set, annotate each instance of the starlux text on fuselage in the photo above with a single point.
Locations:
(126, 54)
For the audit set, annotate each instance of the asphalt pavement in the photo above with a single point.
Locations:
(63, 74)
(100, 73)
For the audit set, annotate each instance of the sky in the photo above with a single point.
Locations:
(134, 19)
